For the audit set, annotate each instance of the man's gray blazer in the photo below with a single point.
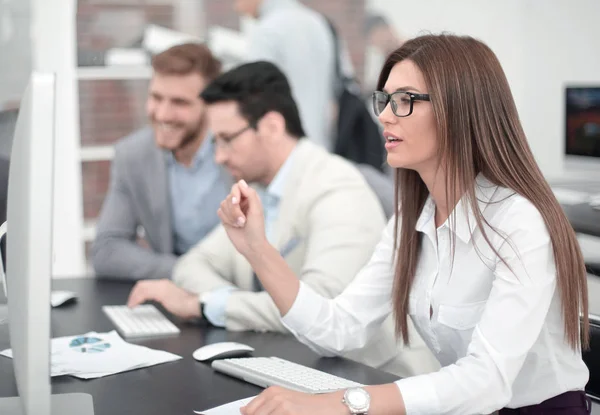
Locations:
(137, 199)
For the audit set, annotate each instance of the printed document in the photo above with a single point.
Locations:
(94, 355)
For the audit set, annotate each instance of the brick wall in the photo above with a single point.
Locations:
(220, 13)
(111, 109)
(95, 176)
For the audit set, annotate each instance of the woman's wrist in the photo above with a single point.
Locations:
(386, 400)
(334, 402)
(258, 252)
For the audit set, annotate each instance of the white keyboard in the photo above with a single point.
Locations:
(273, 371)
(142, 321)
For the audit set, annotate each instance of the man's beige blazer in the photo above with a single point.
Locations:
(329, 222)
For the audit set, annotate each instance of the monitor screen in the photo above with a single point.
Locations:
(583, 121)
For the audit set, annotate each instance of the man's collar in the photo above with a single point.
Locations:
(277, 185)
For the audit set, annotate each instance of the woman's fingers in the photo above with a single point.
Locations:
(231, 212)
(250, 199)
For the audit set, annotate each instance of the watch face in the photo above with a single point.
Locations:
(358, 398)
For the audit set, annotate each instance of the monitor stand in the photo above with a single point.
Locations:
(61, 404)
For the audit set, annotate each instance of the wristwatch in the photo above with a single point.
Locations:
(357, 400)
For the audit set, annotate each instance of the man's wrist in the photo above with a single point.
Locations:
(193, 306)
(215, 304)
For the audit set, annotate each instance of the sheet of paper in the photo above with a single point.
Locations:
(94, 355)
(232, 408)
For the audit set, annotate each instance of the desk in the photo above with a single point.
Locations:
(582, 216)
(171, 388)
(584, 219)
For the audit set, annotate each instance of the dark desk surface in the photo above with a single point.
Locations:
(584, 218)
(171, 388)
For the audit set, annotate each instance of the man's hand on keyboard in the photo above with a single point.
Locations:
(174, 299)
(280, 401)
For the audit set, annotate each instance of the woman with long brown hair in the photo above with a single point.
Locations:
(480, 255)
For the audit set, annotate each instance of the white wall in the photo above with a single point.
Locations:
(53, 49)
(563, 47)
(542, 46)
(15, 49)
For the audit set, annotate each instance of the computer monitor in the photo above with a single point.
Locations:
(29, 256)
(582, 132)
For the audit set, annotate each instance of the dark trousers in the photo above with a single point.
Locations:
(568, 403)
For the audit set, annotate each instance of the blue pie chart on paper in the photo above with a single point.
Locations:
(84, 344)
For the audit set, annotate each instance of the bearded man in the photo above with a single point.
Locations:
(165, 185)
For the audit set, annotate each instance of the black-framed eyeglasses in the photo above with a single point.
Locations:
(401, 102)
(225, 140)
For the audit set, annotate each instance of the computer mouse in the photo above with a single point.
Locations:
(221, 351)
(58, 298)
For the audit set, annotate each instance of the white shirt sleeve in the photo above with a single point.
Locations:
(334, 326)
(522, 292)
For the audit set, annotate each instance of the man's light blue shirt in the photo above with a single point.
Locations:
(196, 193)
(214, 308)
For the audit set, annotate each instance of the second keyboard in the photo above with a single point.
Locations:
(142, 321)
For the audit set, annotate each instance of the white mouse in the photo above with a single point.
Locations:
(221, 350)
(58, 298)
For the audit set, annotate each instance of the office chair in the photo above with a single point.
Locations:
(591, 358)
(8, 122)
(4, 166)
(593, 268)
(382, 185)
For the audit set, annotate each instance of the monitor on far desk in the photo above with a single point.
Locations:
(582, 132)
(29, 257)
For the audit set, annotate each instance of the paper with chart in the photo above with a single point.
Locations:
(232, 408)
(94, 355)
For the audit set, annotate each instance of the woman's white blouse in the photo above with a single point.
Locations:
(497, 330)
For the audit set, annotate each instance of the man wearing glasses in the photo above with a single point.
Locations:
(318, 210)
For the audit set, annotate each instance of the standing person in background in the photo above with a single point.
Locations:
(298, 40)
(381, 40)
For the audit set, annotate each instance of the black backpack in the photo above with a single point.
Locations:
(358, 137)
